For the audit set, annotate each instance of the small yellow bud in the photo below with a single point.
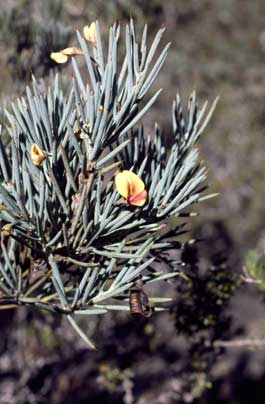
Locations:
(90, 33)
(37, 155)
(79, 134)
(6, 229)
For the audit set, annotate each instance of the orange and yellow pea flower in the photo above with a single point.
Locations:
(131, 187)
(63, 55)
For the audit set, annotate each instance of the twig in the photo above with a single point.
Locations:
(244, 343)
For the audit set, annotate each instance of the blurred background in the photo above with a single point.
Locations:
(218, 49)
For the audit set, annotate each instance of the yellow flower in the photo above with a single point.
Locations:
(131, 187)
(37, 155)
(63, 55)
(90, 33)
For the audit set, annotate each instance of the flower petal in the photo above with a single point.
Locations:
(122, 184)
(136, 184)
(71, 51)
(59, 57)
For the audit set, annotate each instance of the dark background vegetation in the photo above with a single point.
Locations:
(218, 48)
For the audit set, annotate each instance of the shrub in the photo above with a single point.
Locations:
(91, 206)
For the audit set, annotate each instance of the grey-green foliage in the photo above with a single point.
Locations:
(68, 244)
(255, 268)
